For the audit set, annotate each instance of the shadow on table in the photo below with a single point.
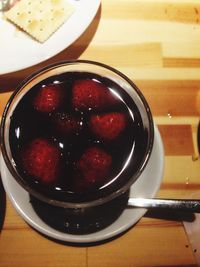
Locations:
(80, 221)
(170, 215)
(2, 205)
(73, 52)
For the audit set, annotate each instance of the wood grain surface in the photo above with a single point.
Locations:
(157, 45)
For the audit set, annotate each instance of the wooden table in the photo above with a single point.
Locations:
(157, 45)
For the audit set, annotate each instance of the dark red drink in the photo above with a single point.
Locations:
(77, 136)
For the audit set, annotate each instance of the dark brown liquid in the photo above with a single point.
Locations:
(27, 124)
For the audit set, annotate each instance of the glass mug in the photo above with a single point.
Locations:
(129, 152)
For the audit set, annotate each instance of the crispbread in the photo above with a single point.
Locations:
(40, 18)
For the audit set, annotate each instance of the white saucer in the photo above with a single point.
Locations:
(146, 186)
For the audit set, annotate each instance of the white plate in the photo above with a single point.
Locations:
(146, 186)
(19, 51)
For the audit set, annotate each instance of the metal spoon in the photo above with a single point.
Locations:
(189, 205)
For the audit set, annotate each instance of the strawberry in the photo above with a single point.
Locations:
(48, 98)
(66, 123)
(93, 167)
(41, 160)
(108, 126)
(90, 94)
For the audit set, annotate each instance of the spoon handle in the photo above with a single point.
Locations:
(189, 205)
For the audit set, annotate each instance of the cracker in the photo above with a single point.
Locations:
(40, 18)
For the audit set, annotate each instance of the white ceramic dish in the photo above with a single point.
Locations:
(146, 186)
(19, 51)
